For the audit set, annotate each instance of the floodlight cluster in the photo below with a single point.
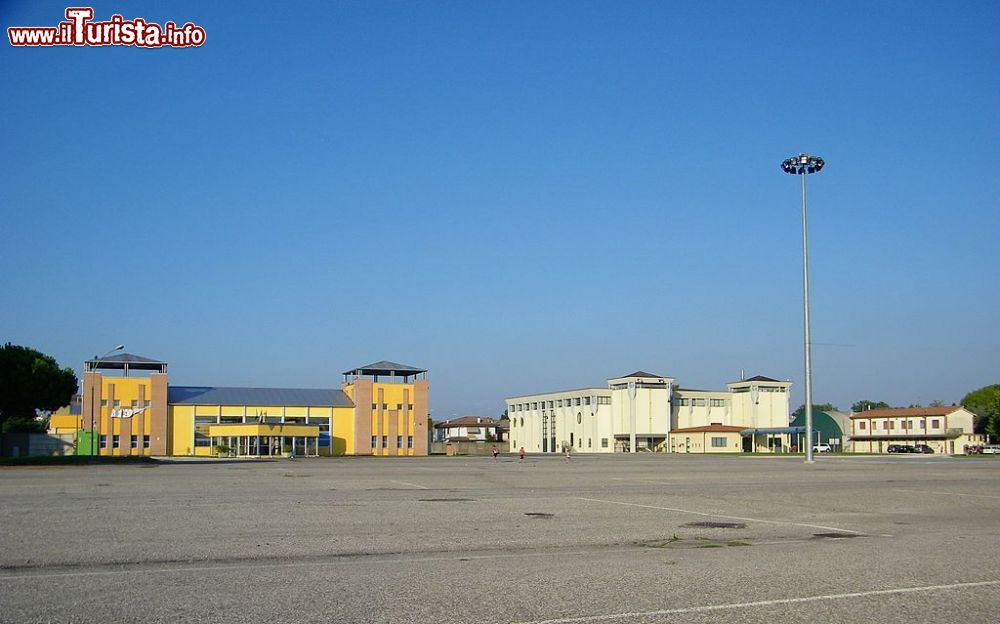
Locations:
(802, 164)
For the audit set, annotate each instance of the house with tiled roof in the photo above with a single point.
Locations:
(946, 429)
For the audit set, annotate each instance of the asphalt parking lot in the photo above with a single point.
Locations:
(647, 538)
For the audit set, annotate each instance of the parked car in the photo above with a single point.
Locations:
(991, 449)
(899, 448)
(922, 448)
(821, 448)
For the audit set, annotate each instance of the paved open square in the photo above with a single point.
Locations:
(645, 538)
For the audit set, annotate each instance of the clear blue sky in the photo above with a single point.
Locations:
(518, 196)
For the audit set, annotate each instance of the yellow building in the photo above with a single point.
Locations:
(136, 412)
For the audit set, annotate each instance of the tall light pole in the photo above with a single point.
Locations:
(802, 165)
(97, 360)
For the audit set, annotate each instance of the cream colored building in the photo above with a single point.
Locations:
(946, 429)
(643, 411)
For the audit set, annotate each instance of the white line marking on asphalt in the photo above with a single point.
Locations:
(948, 493)
(422, 487)
(714, 515)
(761, 603)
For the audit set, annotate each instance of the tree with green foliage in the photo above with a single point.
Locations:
(31, 382)
(985, 403)
(825, 407)
(865, 405)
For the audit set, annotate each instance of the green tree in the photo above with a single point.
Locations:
(825, 407)
(985, 403)
(865, 404)
(30, 382)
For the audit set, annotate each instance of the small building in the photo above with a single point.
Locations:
(467, 429)
(945, 429)
(707, 439)
(830, 427)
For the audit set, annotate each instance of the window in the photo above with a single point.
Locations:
(385, 406)
(534, 406)
(374, 406)
(409, 406)
(603, 400)
(718, 443)
(588, 442)
(399, 407)
(409, 441)
(374, 442)
(681, 402)
(906, 424)
(576, 401)
(385, 441)
(104, 441)
(115, 441)
(923, 423)
(145, 441)
(399, 441)
(579, 418)
(522, 421)
(551, 404)
(104, 402)
(559, 403)
(717, 402)
(586, 400)
(885, 424)
(892, 424)
(861, 425)
(935, 423)
(135, 442)
(604, 443)
(118, 403)
(698, 402)
(134, 404)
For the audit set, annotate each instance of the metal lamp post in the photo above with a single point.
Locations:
(97, 360)
(802, 165)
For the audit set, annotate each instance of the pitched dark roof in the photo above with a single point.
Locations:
(761, 378)
(640, 374)
(385, 367)
(217, 395)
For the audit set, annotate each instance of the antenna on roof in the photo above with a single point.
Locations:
(743, 375)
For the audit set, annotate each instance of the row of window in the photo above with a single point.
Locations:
(116, 441)
(906, 424)
(573, 402)
(761, 388)
(271, 420)
(132, 404)
(399, 442)
(699, 402)
(399, 407)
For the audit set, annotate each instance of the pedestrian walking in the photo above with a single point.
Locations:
(521, 453)
(496, 453)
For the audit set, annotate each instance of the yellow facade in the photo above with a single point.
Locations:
(180, 424)
(342, 431)
(122, 436)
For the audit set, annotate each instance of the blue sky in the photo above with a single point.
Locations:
(518, 196)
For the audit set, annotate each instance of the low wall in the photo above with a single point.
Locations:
(468, 448)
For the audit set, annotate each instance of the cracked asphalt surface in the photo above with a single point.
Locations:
(609, 538)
